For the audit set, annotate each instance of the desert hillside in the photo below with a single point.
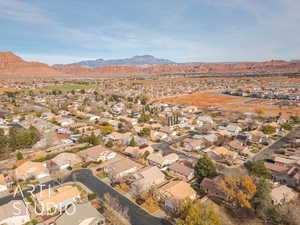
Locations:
(14, 66)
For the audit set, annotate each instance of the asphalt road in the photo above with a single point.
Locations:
(136, 214)
(165, 147)
(25, 193)
(269, 151)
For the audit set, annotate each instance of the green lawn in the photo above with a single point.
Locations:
(70, 86)
(101, 175)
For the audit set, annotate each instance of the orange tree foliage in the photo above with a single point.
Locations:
(240, 190)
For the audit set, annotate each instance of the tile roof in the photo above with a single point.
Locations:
(178, 190)
(30, 168)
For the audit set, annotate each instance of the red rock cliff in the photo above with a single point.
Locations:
(14, 66)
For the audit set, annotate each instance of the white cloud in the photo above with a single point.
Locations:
(21, 11)
(274, 34)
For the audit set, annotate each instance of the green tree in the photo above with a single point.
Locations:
(145, 132)
(295, 119)
(258, 169)
(268, 129)
(287, 126)
(120, 125)
(19, 138)
(105, 130)
(262, 201)
(205, 167)
(94, 140)
(109, 144)
(132, 142)
(19, 156)
(3, 142)
(145, 118)
(1, 132)
(197, 214)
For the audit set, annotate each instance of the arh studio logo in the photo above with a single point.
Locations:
(46, 201)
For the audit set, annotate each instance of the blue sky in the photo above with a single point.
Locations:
(64, 31)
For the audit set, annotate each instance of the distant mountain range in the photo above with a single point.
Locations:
(12, 66)
(134, 61)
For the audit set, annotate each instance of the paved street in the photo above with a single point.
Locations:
(269, 151)
(136, 214)
(165, 147)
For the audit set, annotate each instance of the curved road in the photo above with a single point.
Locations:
(137, 215)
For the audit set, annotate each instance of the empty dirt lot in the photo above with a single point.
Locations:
(202, 100)
(269, 109)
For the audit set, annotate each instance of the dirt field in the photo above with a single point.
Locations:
(202, 100)
(2, 90)
(269, 110)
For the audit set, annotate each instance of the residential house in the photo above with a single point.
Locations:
(30, 169)
(153, 125)
(205, 119)
(158, 135)
(146, 179)
(137, 139)
(233, 129)
(190, 144)
(294, 177)
(255, 136)
(169, 131)
(137, 128)
(131, 121)
(236, 146)
(58, 198)
(117, 137)
(93, 118)
(137, 152)
(121, 168)
(96, 154)
(84, 214)
(48, 116)
(287, 161)
(66, 122)
(175, 193)
(157, 159)
(285, 175)
(181, 170)
(14, 213)
(211, 138)
(282, 194)
(213, 189)
(222, 152)
(65, 160)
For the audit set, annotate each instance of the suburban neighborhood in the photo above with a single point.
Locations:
(145, 150)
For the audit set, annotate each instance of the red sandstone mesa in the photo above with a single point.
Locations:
(14, 66)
